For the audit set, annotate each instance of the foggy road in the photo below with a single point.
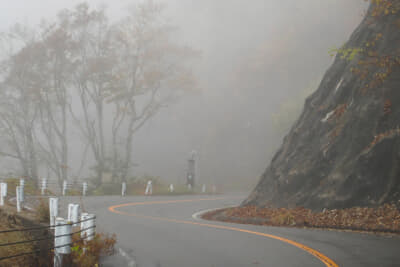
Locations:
(161, 231)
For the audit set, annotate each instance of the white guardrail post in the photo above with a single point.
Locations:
(91, 225)
(171, 188)
(84, 217)
(149, 188)
(64, 189)
(73, 213)
(62, 240)
(18, 196)
(21, 193)
(44, 186)
(123, 190)
(84, 188)
(53, 208)
(87, 226)
(203, 189)
(3, 193)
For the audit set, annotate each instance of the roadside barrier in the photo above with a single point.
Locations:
(83, 188)
(63, 232)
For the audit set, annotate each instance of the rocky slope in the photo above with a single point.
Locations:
(344, 150)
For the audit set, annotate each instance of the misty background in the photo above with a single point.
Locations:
(259, 60)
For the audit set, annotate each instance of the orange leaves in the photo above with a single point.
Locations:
(383, 218)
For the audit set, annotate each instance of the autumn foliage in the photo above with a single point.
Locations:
(381, 219)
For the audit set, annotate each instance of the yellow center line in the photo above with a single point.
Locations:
(327, 261)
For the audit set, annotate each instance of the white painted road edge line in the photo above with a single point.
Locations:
(197, 215)
(131, 261)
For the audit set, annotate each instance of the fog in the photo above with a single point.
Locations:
(255, 57)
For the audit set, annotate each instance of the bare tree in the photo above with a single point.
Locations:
(92, 63)
(132, 67)
(83, 68)
(149, 73)
(54, 100)
(18, 114)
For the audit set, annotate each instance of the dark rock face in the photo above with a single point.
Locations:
(344, 150)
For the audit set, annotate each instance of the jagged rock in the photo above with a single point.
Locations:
(344, 150)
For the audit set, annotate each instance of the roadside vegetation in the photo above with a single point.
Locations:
(84, 253)
(385, 218)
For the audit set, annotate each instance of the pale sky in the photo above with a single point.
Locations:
(231, 35)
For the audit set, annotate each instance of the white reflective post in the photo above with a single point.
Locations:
(64, 191)
(18, 193)
(76, 214)
(4, 185)
(87, 226)
(189, 187)
(22, 195)
(171, 188)
(73, 213)
(62, 240)
(21, 189)
(44, 186)
(53, 208)
(91, 224)
(84, 189)
(203, 189)
(149, 188)
(3, 193)
(62, 236)
(84, 217)
(123, 190)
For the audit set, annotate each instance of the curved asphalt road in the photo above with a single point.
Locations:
(161, 232)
